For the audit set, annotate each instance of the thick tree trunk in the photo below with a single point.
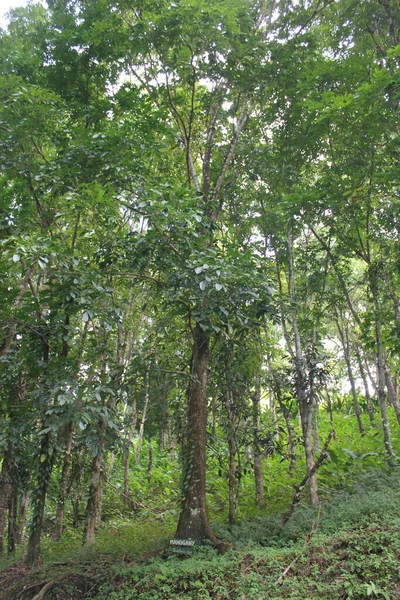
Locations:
(62, 496)
(258, 474)
(193, 522)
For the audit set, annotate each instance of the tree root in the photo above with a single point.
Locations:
(53, 582)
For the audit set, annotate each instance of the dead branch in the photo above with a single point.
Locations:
(299, 488)
(314, 528)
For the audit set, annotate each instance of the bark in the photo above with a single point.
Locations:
(343, 334)
(290, 431)
(127, 455)
(111, 463)
(150, 464)
(258, 474)
(62, 496)
(315, 433)
(380, 363)
(305, 402)
(330, 411)
(23, 509)
(12, 532)
(5, 488)
(193, 522)
(368, 399)
(94, 485)
(100, 494)
(232, 482)
(143, 420)
(39, 501)
(392, 395)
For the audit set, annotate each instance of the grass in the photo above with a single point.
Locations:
(354, 550)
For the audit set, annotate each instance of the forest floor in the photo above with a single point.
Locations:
(348, 548)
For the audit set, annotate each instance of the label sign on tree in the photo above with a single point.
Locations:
(182, 546)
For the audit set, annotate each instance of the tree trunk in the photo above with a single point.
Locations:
(23, 509)
(150, 463)
(393, 399)
(12, 532)
(330, 411)
(258, 474)
(370, 408)
(127, 455)
(193, 522)
(5, 488)
(100, 494)
(343, 334)
(381, 364)
(290, 430)
(62, 496)
(94, 486)
(305, 402)
(142, 420)
(39, 501)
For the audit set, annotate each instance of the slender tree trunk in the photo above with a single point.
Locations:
(127, 455)
(315, 433)
(100, 494)
(62, 496)
(393, 399)
(39, 501)
(370, 408)
(305, 402)
(23, 509)
(343, 334)
(193, 523)
(381, 364)
(94, 485)
(258, 474)
(232, 447)
(12, 532)
(5, 488)
(150, 463)
(111, 463)
(143, 420)
(330, 411)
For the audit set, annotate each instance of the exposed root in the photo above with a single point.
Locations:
(51, 584)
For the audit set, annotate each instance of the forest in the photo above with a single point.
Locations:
(200, 300)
